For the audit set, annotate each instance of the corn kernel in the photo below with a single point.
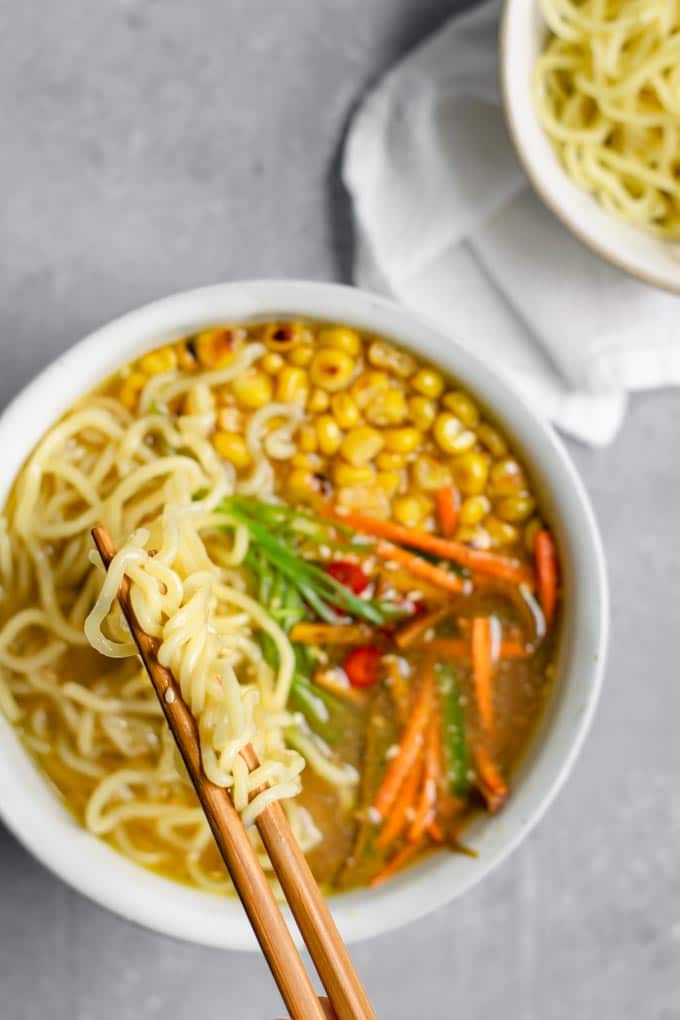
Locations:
(353, 474)
(464, 409)
(507, 478)
(501, 532)
(311, 461)
(388, 460)
(341, 339)
(345, 410)
(473, 510)
(369, 499)
(186, 354)
(389, 408)
(331, 369)
(422, 412)
(252, 389)
(450, 434)
(430, 474)
(328, 435)
(404, 440)
(215, 348)
(130, 389)
(292, 386)
(272, 363)
(492, 440)
(530, 532)
(388, 481)
(362, 445)
(470, 473)
(410, 510)
(384, 355)
(515, 509)
(368, 387)
(428, 383)
(301, 482)
(308, 439)
(301, 355)
(232, 447)
(283, 336)
(318, 401)
(156, 362)
(476, 536)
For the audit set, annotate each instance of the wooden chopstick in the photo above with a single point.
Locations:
(328, 951)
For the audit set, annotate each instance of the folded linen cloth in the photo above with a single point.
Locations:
(447, 224)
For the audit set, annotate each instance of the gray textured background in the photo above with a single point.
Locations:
(152, 145)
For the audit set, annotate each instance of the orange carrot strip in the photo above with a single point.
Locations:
(419, 567)
(482, 669)
(330, 634)
(447, 501)
(396, 864)
(428, 796)
(435, 833)
(413, 631)
(410, 745)
(475, 559)
(398, 816)
(546, 568)
(457, 647)
(493, 787)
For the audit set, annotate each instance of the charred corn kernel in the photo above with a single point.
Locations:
(361, 445)
(345, 410)
(492, 440)
(470, 473)
(388, 460)
(430, 474)
(530, 532)
(272, 363)
(464, 409)
(292, 386)
(252, 389)
(341, 339)
(384, 355)
(311, 461)
(388, 481)
(515, 509)
(476, 536)
(331, 369)
(404, 440)
(186, 354)
(410, 510)
(301, 355)
(451, 435)
(130, 389)
(283, 336)
(500, 532)
(389, 408)
(473, 510)
(230, 419)
(215, 348)
(233, 448)
(328, 434)
(318, 401)
(353, 474)
(422, 412)
(428, 383)
(507, 478)
(308, 438)
(368, 386)
(156, 362)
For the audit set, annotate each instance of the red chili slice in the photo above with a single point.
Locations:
(362, 666)
(349, 574)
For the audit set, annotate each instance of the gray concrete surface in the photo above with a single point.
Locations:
(152, 145)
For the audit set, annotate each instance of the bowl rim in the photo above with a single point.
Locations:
(32, 811)
(516, 132)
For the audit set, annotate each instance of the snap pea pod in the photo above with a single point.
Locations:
(453, 724)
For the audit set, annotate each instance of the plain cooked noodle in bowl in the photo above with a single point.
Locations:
(344, 565)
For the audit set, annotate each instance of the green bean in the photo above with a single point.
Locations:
(453, 722)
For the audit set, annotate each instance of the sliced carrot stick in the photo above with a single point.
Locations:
(398, 816)
(413, 631)
(396, 864)
(447, 501)
(546, 568)
(457, 647)
(435, 833)
(330, 634)
(410, 745)
(419, 567)
(476, 559)
(493, 787)
(425, 810)
(482, 663)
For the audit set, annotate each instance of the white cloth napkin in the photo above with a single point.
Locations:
(448, 225)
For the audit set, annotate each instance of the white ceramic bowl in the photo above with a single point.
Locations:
(38, 819)
(522, 37)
